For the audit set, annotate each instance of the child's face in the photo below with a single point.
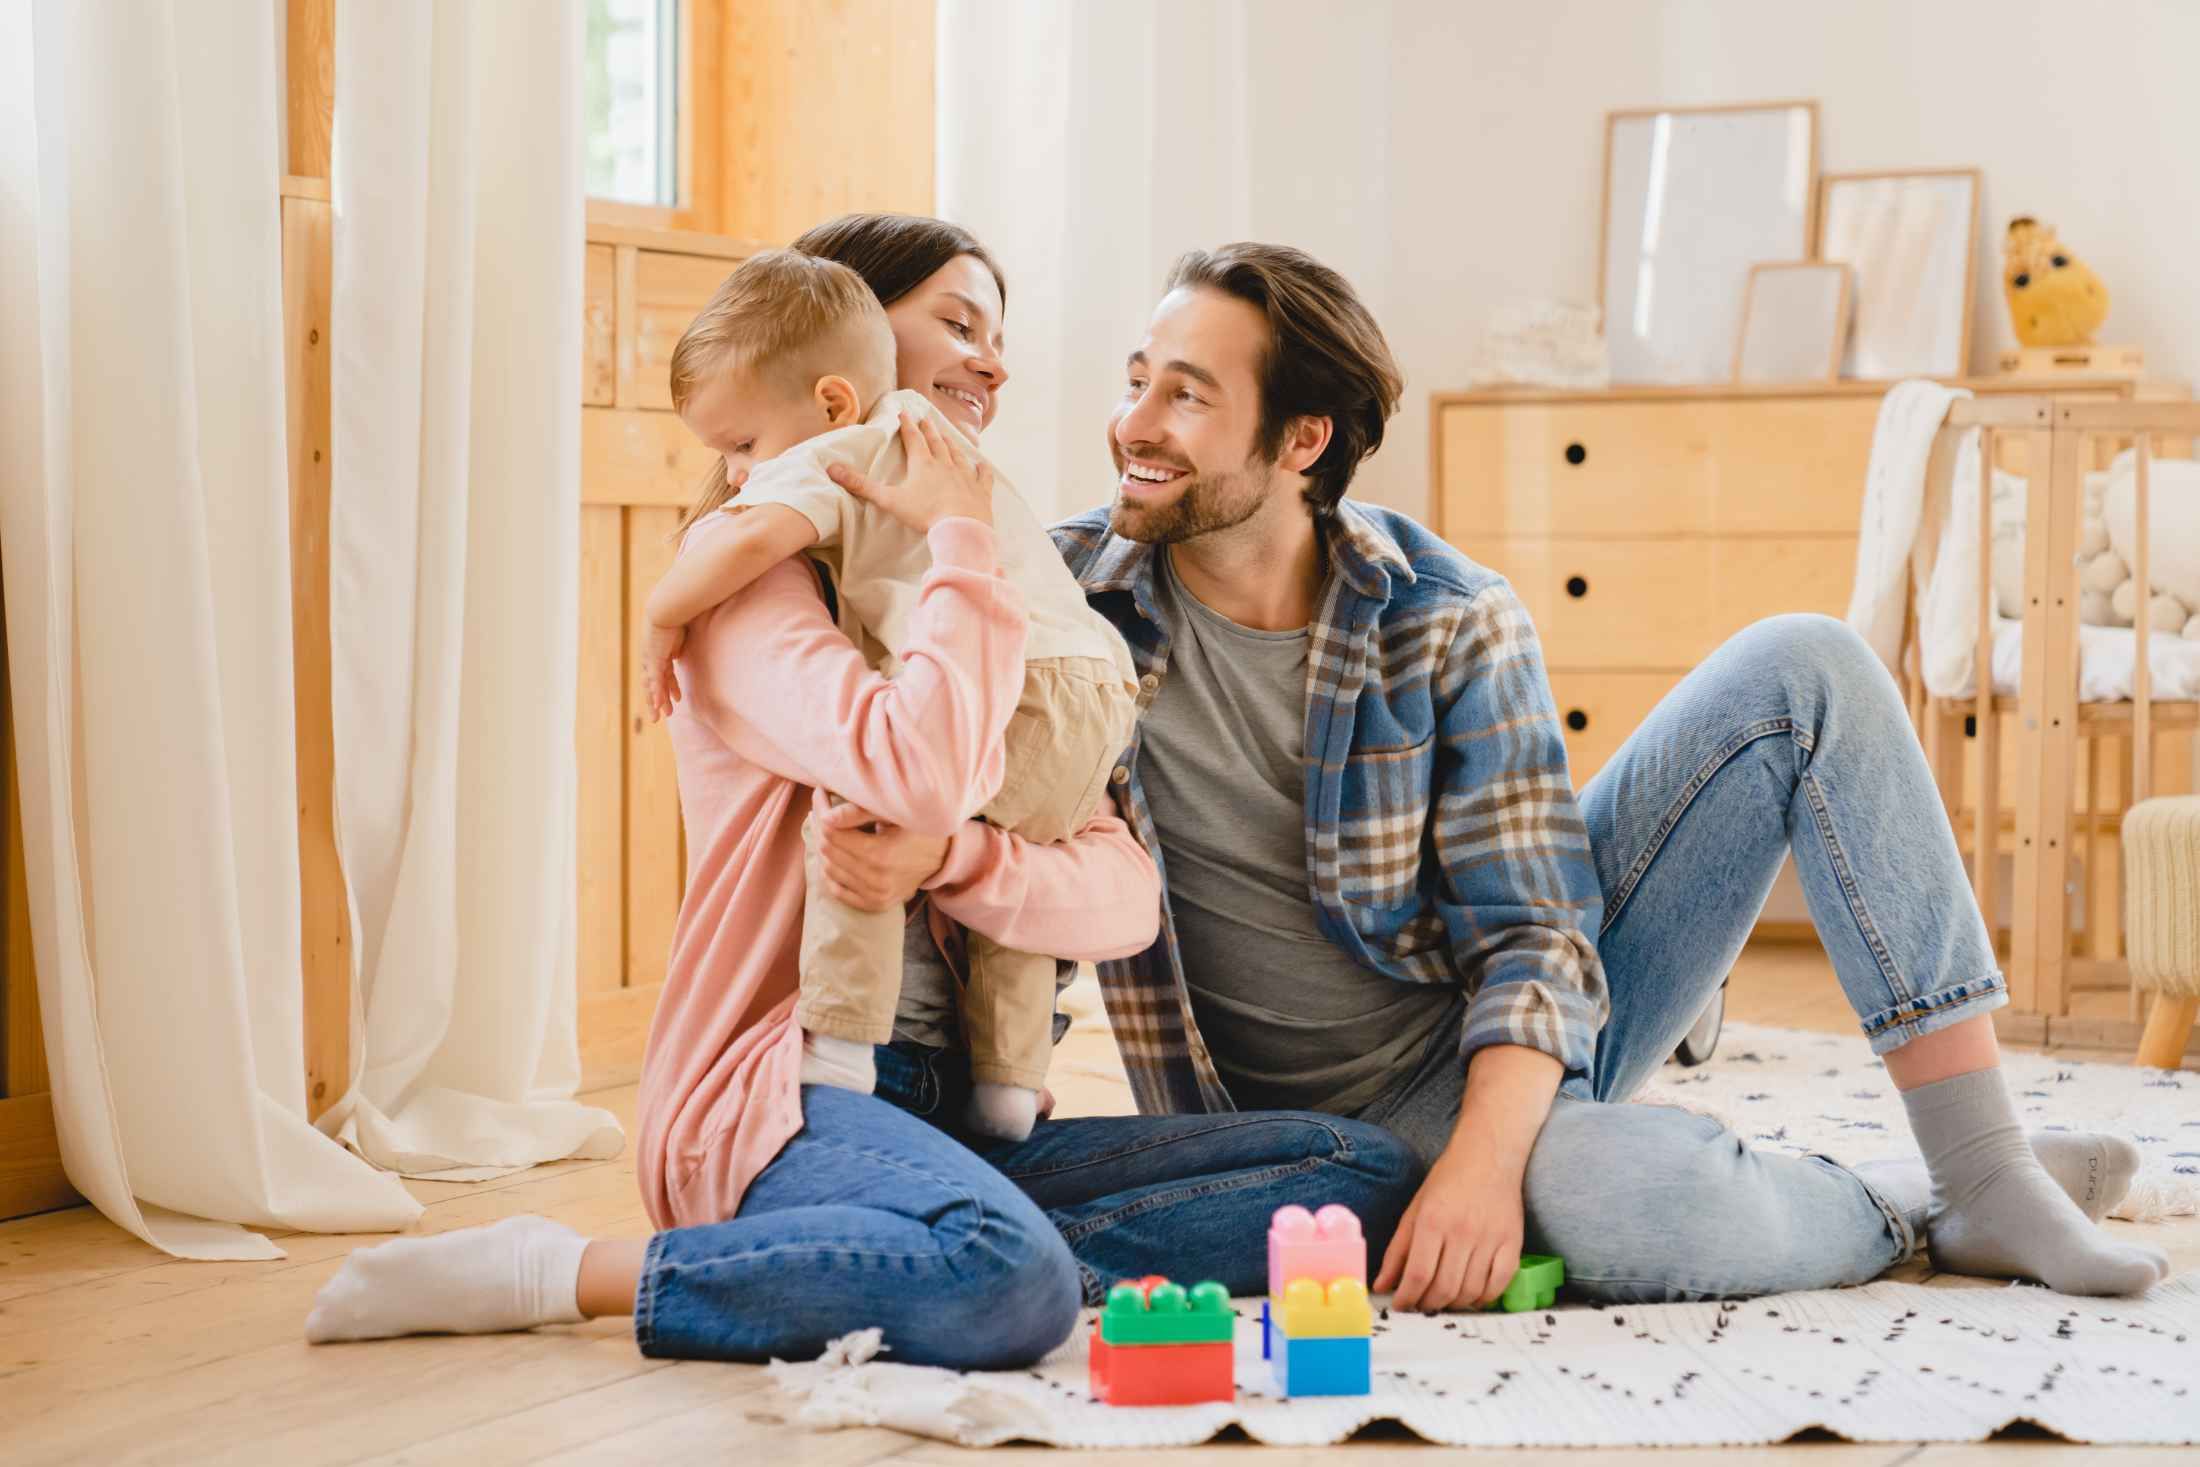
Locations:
(748, 417)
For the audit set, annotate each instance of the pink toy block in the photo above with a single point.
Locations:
(1325, 1245)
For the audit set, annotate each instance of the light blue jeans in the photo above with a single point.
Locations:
(1790, 740)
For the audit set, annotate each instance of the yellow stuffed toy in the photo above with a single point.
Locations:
(2054, 298)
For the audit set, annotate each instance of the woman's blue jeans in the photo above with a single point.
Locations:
(975, 1253)
(1790, 739)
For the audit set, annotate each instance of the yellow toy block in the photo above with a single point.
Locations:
(1311, 1312)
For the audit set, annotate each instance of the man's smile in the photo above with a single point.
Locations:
(1142, 476)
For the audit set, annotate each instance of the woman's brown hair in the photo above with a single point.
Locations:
(896, 253)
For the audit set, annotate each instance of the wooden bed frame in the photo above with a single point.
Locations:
(2073, 767)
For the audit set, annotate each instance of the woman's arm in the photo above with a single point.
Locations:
(1090, 898)
(780, 684)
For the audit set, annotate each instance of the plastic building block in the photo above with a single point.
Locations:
(1314, 1245)
(1321, 1367)
(1265, 1328)
(1535, 1285)
(1310, 1311)
(1154, 1311)
(1162, 1375)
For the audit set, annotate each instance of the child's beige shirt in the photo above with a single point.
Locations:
(878, 563)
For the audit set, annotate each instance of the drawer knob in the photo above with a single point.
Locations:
(1576, 587)
(1576, 454)
(1576, 719)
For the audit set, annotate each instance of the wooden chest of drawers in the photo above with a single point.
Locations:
(1644, 526)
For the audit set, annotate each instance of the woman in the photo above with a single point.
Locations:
(796, 1213)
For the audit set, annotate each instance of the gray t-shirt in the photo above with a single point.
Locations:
(1292, 1022)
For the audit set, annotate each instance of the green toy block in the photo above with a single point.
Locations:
(1535, 1286)
(1154, 1311)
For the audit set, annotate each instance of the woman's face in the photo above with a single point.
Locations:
(947, 342)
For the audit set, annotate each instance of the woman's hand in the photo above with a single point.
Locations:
(1458, 1245)
(941, 481)
(869, 864)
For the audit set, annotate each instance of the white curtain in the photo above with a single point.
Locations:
(1088, 143)
(454, 566)
(144, 526)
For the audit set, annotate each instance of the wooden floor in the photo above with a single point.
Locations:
(110, 1352)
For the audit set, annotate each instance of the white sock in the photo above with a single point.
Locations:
(515, 1274)
(1004, 1111)
(842, 1063)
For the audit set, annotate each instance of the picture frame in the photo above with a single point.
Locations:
(1795, 322)
(1911, 237)
(1693, 196)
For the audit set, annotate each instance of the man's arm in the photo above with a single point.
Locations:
(1513, 844)
(1516, 855)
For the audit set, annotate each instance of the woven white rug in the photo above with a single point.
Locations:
(1894, 1361)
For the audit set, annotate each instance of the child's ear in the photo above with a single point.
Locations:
(838, 397)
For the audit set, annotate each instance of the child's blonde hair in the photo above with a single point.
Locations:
(790, 318)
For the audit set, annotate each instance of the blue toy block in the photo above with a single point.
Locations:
(1265, 1327)
(1336, 1366)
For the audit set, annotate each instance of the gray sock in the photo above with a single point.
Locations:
(2094, 1170)
(1996, 1212)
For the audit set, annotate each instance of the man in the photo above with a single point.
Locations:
(1383, 901)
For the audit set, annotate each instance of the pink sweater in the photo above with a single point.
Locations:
(776, 700)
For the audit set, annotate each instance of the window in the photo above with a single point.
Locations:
(630, 101)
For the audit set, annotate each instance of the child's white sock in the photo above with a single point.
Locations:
(515, 1274)
(1005, 1111)
(842, 1063)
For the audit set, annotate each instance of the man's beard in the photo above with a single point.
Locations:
(1208, 502)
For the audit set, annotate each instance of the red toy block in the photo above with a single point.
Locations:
(1325, 1246)
(1162, 1375)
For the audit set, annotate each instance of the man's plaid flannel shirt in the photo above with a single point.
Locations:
(1442, 838)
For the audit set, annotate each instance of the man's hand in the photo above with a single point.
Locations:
(869, 864)
(1458, 1245)
(660, 684)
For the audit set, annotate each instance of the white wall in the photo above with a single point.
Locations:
(1447, 155)
(2085, 115)
(1091, 142)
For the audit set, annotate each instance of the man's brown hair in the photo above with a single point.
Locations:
(1325, 358)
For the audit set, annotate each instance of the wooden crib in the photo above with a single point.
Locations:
(2040, 777)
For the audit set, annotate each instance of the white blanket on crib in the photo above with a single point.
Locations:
(1947, 606)
(1894, 505)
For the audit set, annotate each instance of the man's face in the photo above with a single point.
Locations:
(1184, 435)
